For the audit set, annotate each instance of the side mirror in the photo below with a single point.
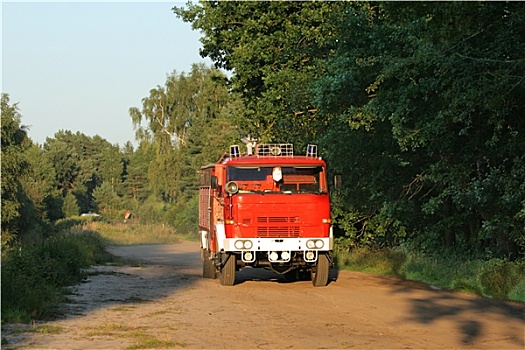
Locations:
(338, 182)
(214, 183)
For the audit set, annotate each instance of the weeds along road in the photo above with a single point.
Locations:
(160, 301)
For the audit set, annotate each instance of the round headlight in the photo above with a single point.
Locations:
(248, 244)
(275, 151)
(319, 244)
(310, 244)
(238, 244)
(232, 188)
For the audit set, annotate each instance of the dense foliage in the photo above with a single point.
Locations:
(446, 84)
(14, 143)
(33, 278)
(418, 105)
(275, 50)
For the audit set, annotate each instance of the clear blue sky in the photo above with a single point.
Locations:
(80, 66)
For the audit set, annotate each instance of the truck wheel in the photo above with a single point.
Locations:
(208, 268)
(322, 271)
(228, 270)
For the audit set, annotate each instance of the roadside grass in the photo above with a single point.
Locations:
(35, 276)
(46, 329)
(146, 341)
(130, 233)
(494, 278)
(112, 330)
(170, 311)
(138, 335)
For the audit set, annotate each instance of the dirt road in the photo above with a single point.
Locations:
(162, 302)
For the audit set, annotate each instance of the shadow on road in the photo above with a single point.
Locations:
(440, 305)
(261, 274)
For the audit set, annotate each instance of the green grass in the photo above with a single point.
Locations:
(141, 339)
(145, 341)
(130, 234)
(495, 278)
(35, 276)
(112, 330)
(46, 329)
(374, 261)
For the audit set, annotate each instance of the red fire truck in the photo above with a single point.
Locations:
(266, 208)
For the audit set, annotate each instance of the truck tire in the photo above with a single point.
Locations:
(322, 271)
(208, 268)
(228, 270)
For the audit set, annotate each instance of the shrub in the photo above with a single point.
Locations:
(34, 276)
(187, 216)
(366, 259)
(451, 269)
(66, 224)
(498, 278)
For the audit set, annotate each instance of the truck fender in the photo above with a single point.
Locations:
(331, 244)
(204, 239)
(220, 233)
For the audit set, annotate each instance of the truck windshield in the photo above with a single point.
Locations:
(259, 179)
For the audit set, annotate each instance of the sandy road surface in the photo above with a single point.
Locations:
(163, 302)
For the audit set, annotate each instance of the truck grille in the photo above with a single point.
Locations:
(278, 226)
(277, 219)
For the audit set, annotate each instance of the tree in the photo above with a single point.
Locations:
(136, 178)
(40, 183)
(107, 200)
(61, 154)
(185, 127)
(83, 163)
(418, 104)
(274, 49)
(447, 80)
(111, 166)
(70, 207)
(14, 165)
